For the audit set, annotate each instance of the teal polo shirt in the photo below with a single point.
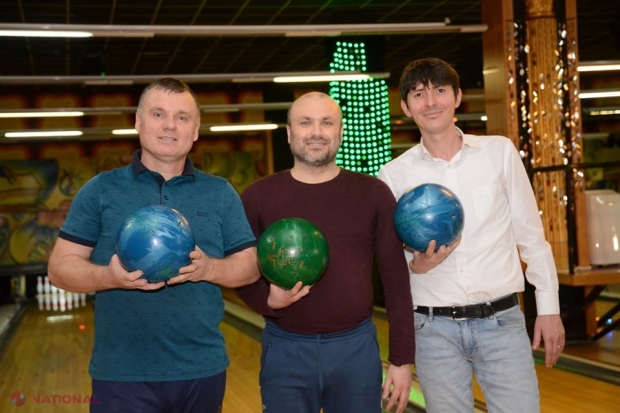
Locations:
(172, 333)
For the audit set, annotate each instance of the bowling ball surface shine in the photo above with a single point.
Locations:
(428, 212)
(156, 240)
(292, 250)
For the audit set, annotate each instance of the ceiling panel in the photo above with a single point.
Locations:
(599, 36)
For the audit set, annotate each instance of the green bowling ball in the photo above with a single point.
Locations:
(292, 250)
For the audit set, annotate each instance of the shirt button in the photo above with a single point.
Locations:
(166, 197)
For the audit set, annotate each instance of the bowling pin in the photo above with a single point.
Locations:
(69, 295)
(54, 292)
(40, 297)
(47, 288)
(76, 300)
(62, 299)
(48, 302)
(83, 299)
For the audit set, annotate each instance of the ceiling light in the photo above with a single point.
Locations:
(598, 66)
(316, 30)
(124, 132)
(43, 134)
(104, 81)
(235, 128)
(605, 111)
(120, 110)
(44, 33)
(57, 114)
(593, 94)
(187, 78)
(324, 78)
(237, 107)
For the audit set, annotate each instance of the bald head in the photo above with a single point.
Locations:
(316, 99)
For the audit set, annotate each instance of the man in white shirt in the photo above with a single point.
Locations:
(467, 317)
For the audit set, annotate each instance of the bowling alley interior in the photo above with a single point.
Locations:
(544, 73)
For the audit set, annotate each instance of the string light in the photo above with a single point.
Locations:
(366, 144)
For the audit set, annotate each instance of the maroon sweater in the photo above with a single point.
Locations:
(355, 213)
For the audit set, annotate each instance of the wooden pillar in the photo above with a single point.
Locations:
(499, 69)
(575, 133)
(547, 138)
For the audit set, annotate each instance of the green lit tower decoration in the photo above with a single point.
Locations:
(366, 145)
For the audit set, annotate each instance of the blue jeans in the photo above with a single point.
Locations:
(339, 372)
(495, 349)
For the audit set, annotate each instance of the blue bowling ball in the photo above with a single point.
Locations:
(428, 212)
(156, 240)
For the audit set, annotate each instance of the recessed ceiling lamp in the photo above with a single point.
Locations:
(44, 33)
(32, 134)
(60, 114)
(238, 128)
(308, 30)
(324, 78)
(598, 66)
(593, 94)
(124, 132)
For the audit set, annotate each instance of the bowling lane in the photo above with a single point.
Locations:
(242, 392)
(46, 360)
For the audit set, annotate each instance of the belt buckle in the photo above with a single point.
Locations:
(483, 313)
(454, 317)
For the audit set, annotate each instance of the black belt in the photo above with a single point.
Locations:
(472, 311)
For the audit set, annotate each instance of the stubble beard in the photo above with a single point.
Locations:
(305, 157)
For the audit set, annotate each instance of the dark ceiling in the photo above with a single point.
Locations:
(599, 36)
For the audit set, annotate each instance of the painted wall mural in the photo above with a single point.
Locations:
(38, 182)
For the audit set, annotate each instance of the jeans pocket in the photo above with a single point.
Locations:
(420, 322)
(511, 318)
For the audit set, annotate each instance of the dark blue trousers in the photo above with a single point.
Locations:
(339, 372)
(185, 396)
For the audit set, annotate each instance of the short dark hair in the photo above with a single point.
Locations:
(429, 70)
(168, 84)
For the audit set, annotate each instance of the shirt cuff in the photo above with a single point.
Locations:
(547, 302)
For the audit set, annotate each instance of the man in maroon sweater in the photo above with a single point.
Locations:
(319, 345)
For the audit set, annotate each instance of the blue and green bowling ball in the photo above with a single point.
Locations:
(292, 250)
(428, 212)
(156, 240)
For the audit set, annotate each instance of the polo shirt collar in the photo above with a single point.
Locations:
(138, 167)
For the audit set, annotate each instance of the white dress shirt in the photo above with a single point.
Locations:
(502, 223)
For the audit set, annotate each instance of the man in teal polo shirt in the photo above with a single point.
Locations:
(158, 346)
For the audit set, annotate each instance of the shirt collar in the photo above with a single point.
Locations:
(466, 141)
(138, 167)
